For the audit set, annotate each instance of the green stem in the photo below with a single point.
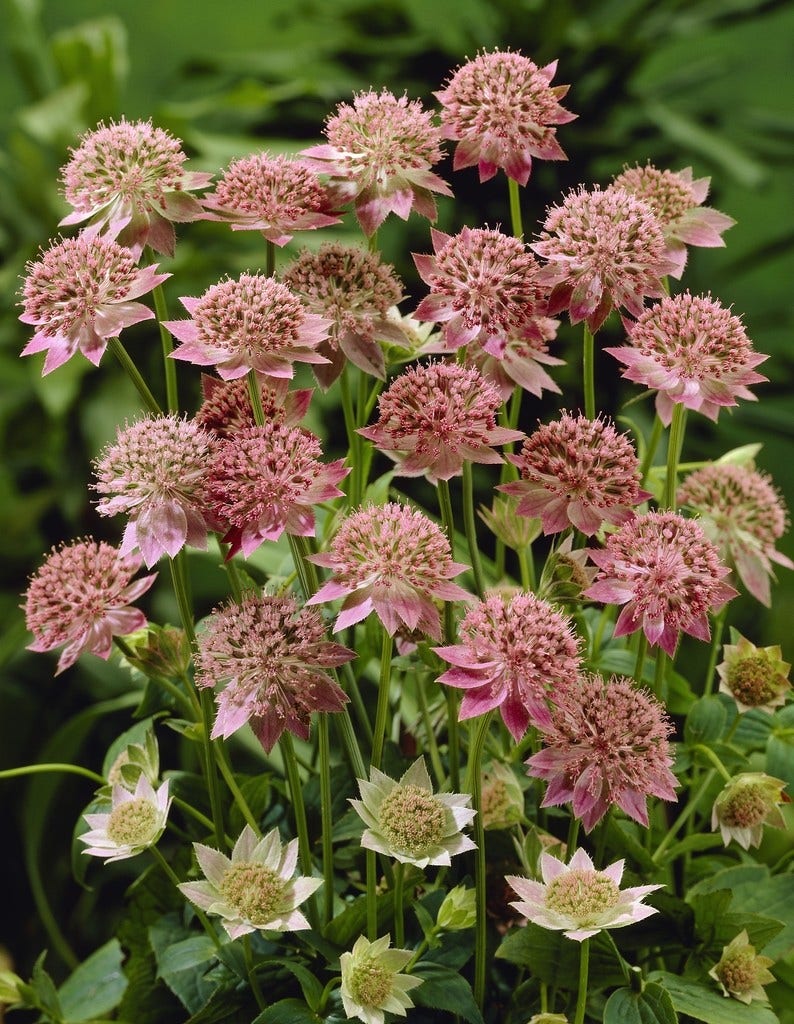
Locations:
(474, 786)
(189, 809)
(453, 737)
(660, 675)
(169, 366)
(270, 257)
(430, 733)
(255, 394)
(234, 789)
(381, 712)
(515, 208)
(307, 573)
(357, 701)
(709, 753)
(397, 892)
(639, 665)
(588, 373)
(326, 815)
(372, 895)
(624, 967)
(250, 970)
(445, 508)
(299, 810)
(469, 525)
(716, 639)
(573, 835)
(683, 817)
(133, 373)
(42, 769)
(675, 444)
(353, 440)
(174, 878)
(650, 451)
(584, 966)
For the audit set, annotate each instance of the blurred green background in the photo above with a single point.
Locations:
(701, 83)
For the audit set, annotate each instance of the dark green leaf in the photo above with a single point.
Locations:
(96, 987)
(287, 1011)
(709, 1005)
(651, 1006)
(445, 989)
(706, 720)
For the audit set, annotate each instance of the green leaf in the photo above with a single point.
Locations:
(705, 721)
(286, 1011)
(445, 989)
(553, 959)
(693, 843)
(709, 1005)
(182, 961)
(651, 1006)
(756, 891)
(310, 986)
(96, 987)
(780, 758)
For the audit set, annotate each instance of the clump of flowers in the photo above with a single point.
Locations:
(755, 677)
(520, 362)
(135, 821)
(226, 407)
(741, 972)
(748, 802)
(372, 984)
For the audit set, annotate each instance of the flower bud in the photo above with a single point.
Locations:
(458, 911)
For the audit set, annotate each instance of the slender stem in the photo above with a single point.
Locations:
(683, 817)
(237, 793)
(326, 815)
(470, 527)
(675, 445)
(453, 737)
(445, 508)
(660, 674)
(716, 639)
(650, 451)
(642, 650)
(133, 373)
(584, 967)
(357, 701)
(573, 835)
(397, 892)
(515, 208)
(709, 753)
(174, 878)
(296, 793)
(250, 970)
(430, 733)
(588, 373)
(372, 895)
(255, 394)
(187, 808)
(624, 967)
(169, 366)
(270, 257)
(353, 439)
(42, 769)
(381, 712)
(474, 786)
(181, 698)
(307, 573)
(350, 743)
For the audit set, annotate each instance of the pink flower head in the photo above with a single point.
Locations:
(577, 472)
(517, 656)
(264, 481)
(277, 195)
(273, 657)
(743, 513)
(484, 285)
(81, 597)
(80, 294)
(251, 323)
(434, 418)
(127, 180)
(520, 362)
(354, 289)
(693, 352)
(382, 148)
(226, 409)
(677, 201)
(666, 573)
(155, 473)
(394, 561)
(606, 744)
(501, 110)
(604, 250)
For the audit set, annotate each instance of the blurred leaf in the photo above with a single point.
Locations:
(96, 987)
(705, 722)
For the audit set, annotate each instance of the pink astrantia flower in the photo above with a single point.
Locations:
(226, 409)
(577, 472)
(134, 823)
(520, 362)
(394, 561)
(382, 148)
(251, 323)
(515, 655)
(578, 900)
(264, 481)
(604, 250)
(606, 744)
(501, 110)
(127, 180)
(155, 473)
(692, 352)
(666, 573)
(434, 418)
(484, 285)
(80, 294)
(273, 658)
(81, 598)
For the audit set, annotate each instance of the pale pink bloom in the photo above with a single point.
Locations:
(273, 658)
(434, 418)
(744, 514)
(606, 744)
(263, 481)
(226, 409)
(249, 323)
(577, 472)
(666, 573)
(578, 900)
(134, 823)
(155, 473)
(394, 561)
(501, 110)
(518, 655)
(127, 180)
(604, 250)
(520, 362)
(381, 150)
(692, 352)
(80, 294)
(81, 598)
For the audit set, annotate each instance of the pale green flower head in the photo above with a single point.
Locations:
(747, 803)
(134, 760)
(372, 984)
(741, 972)
(755, 677)
(135, 821)
(458, 911)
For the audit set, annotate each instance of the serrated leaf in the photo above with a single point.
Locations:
(709, 1005)
(96, 987)
(706, 721)
(445, 989)
(286, 1011)
(554, 959)
(651, 1006)
(756, 891)
(310, 986)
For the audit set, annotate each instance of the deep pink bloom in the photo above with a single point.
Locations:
(516, 655)
(434, 418)
(81, 598)
(79, 294)
(381, 149)
(227, 409)
(693, 352)
(520, 362)
(273, 657)
(394, 561)
(264, 481)
(501, 110)
(577, 472)
(666, 573)
(606, 744)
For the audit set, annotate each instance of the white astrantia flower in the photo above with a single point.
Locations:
(135, 822)
(746, 803)
(254, 890)
(371, 981)
(407, 821)
(578, 900)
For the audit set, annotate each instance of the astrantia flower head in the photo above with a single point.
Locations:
(372, 984)
(250, 323)
(692, 352)
(606, 745)
(748, 802)
(741, 972)
(407, 821)
(501, 110)
(604, 250)
(254, 889)
(382, 148)
(264, 481)
(226, 409)
(742, 511)
(578, 900)
(435, 417)
(81, 598)
(755, 677)
(135, 821)
(520, 362)
(666, 573)
(273, 658)
(515, 655)
(127, 179)
(577, 472)
(155, 473)
(394, 561)
(79, 294)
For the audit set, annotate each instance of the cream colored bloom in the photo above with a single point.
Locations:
(741, 972)
(371, 981)
(135, 822)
